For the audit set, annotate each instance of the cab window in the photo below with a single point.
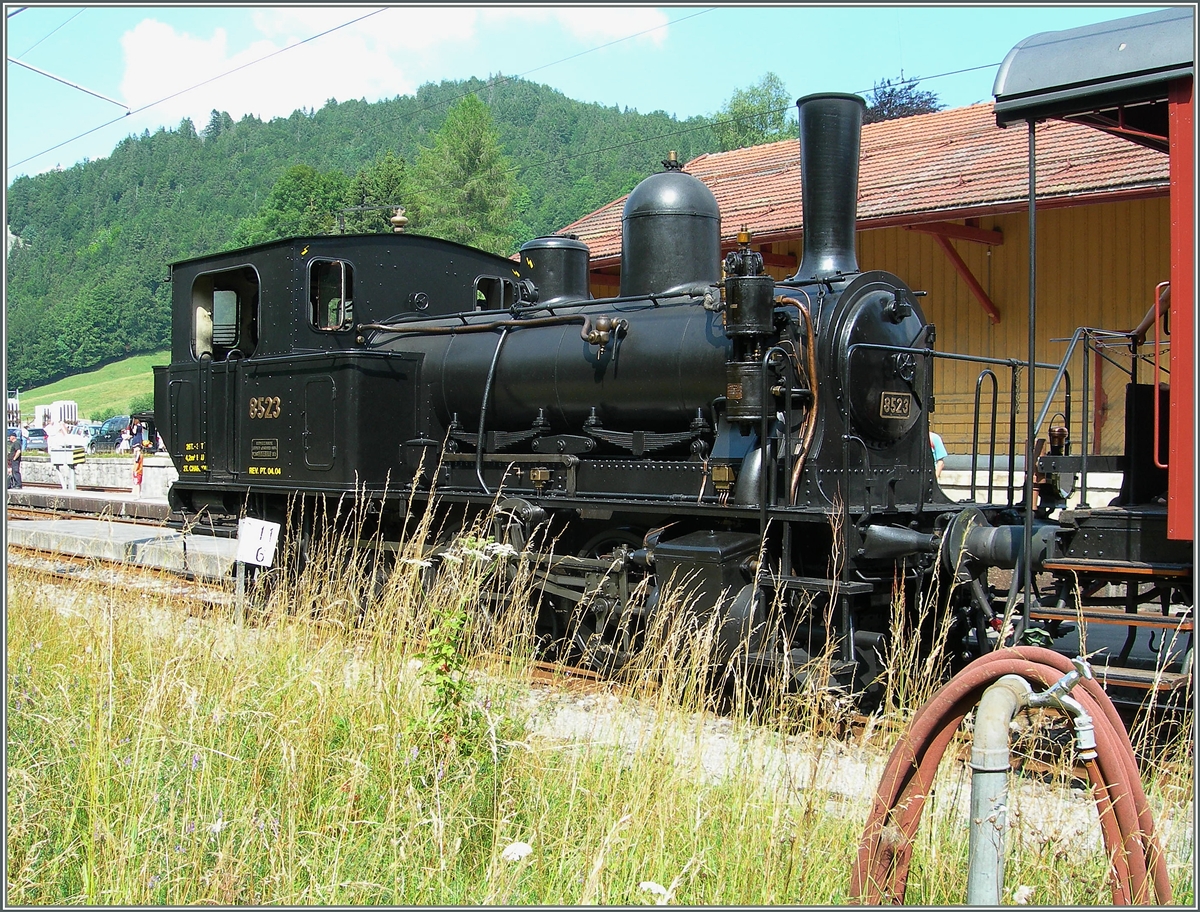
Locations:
(331, 294)
(225, 313)
(494, 293)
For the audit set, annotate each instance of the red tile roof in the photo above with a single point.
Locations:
(945, 165)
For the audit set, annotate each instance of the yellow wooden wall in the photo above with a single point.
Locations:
(1097, 266)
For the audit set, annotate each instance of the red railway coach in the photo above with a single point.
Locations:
(1132, 78)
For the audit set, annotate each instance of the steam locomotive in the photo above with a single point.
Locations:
(760, 446)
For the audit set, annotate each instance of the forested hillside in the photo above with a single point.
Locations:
(87, 278)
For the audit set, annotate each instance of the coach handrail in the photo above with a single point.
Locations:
(1157, 343)
(986, 372)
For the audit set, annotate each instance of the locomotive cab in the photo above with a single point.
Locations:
(270, 387)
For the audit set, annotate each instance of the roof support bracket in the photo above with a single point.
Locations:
(987, 236)
(972, 283)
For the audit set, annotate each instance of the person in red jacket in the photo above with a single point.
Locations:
(138, 461)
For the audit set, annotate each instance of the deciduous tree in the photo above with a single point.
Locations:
(890, 100)
(755, 115)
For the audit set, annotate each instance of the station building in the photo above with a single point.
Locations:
(943, 203)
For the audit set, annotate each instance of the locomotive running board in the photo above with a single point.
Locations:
(1116, 617)
(815, 584)
(568, 461)
(1115, 567)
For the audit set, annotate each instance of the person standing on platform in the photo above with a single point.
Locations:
(14, 461)
(138, 461)
(939, 454)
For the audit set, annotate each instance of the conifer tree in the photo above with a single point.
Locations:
(373, 195)
(303, 201)
(465, 188)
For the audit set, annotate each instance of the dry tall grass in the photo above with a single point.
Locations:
(358, 739)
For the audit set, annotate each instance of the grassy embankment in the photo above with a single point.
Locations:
(100, 393)
(301, 757)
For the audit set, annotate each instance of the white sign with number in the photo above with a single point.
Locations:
(256, 541)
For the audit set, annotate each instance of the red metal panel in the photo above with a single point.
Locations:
(1181, 508)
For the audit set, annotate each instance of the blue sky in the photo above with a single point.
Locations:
(682, 60)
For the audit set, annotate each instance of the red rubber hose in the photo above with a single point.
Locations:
(880, 871)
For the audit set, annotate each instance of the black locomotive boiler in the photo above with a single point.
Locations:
(764, 443)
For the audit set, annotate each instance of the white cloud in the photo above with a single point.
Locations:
(350, 63)
(384, 55)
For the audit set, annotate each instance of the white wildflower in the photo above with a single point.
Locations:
(1022, 895)
(215, 828)
(656, 889)
(501, 549)
(515, 851)
(417, 562)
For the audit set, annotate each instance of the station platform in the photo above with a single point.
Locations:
(81, 500)
(146, 542)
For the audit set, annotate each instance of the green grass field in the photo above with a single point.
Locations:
(100, 393)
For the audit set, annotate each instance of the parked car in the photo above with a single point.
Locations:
(150, 432)
(80, 436)
(37, 440)
(108, 437)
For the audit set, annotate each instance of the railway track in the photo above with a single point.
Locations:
(207, 601)
(57, 567)
(21, 511)
(217, 594)
(81, 508)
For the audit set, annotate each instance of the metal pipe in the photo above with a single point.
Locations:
(810, 422)
(487, 391)
(1030, 427)
(990, 758)
(1014, 401)
(1157, 343)
(1083, 424)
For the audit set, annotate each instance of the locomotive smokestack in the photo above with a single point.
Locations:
(830, 132)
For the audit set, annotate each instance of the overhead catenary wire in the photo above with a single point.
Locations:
(494, 82)
(198, 85)
(706, 125)
(49, 33)
(67, 82)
